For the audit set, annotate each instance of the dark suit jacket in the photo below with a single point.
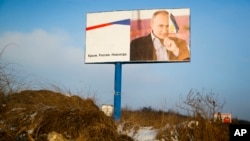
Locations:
(142, 49)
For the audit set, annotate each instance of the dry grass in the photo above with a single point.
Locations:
(173, 126)
(37, 113)
(40, 113)
(150, 117)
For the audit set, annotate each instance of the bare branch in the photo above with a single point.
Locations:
(198, 103)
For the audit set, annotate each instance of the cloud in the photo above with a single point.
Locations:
(40, 48)
(44, 56)
(50, 57)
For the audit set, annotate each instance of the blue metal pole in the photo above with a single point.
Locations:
(117, 96)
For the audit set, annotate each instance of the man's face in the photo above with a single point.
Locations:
(159, 25)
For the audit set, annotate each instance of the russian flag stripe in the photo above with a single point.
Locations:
(97, 26)
(122, 22)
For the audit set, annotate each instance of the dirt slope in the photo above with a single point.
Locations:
(35, 114)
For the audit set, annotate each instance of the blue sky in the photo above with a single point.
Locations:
(50, 43)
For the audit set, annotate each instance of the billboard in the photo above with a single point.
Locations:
(107, 109)
(223, 117)
(138, 36)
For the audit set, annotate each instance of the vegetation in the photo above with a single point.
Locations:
(42, 115)
(39, 113)
(48, 115)
(174, 126)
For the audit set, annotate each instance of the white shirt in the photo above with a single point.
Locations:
(161, 51)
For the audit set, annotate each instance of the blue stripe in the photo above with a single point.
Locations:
(123, 22)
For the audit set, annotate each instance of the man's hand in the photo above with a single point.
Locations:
(171, 46)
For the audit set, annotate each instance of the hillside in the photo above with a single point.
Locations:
(39, 114)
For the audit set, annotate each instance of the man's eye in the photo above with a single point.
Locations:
(161, 26)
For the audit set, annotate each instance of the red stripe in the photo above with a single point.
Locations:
(97, 26)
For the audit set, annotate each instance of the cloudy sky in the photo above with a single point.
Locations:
(46, 41)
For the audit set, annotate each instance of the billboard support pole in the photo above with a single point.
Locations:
(117, 96)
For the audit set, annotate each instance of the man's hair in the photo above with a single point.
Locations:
(160, 12)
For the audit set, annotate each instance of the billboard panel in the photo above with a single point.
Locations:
(138, 36)
(223, 117)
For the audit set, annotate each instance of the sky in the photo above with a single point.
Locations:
(46, 45)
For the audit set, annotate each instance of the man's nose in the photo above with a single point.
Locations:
(165, 29)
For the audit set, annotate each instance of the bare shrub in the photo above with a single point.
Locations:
(203, 104)
(10, 80)
(202, 108)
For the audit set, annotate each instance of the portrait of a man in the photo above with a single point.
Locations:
(159, 44)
